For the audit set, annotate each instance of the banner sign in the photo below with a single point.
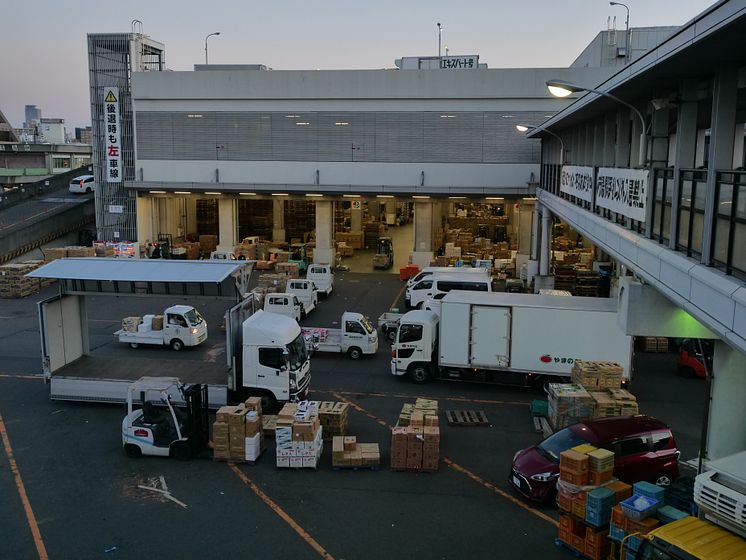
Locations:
(622, 191)
(112, 135)
(577, 181)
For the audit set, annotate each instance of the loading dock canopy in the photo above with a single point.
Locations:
(142, 277)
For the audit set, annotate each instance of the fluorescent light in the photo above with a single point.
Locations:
(456, 197)
(507, 116)
(157, 192)
(292, 116)
(529, 198)
(341, 123)
(182, 192)
(420, 196)
(558, 91)
(194, 116)
(279, 194)
(384, 196)
(447, 116)
(302, 123)
(351, 195)
(247, 193)
(314, 194)
(494, 198)
(212, 192)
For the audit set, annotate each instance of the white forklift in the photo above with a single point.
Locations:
(179, 326)
(159, 426)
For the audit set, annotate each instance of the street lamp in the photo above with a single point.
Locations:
(626, 29)
(561, 88)
(206, 38)
(528, 127)
(440, 30)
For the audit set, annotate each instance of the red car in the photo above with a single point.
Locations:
(645, 449)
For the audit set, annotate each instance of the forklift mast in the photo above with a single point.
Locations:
(198, 421)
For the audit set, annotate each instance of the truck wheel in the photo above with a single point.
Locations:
(177, 344)
(132, 450)
(269, 402)
(355, 353)
(134, 345)
(391, 335)
(181, 451)
(663, 479)
(419, 373)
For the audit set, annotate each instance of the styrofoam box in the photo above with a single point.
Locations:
(253, 454)
(285, 453)
(309, 461)
(296, 462)
(283, 462)
(307, 453)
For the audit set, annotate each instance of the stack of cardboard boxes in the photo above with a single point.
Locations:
(237, 432)
(298, 435)
(272, 282)
(208, 243)
(347, 452)
(334, 418)
(656, 344)
(603, 381)
(290, 270)
(415, 440)
(568, 404)
(13, 280)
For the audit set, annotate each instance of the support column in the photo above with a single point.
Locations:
(634, 148)
(722, 125)
(609, 139)
(685, 153)
(227, 210)
(588, 144)
(598, 142)
(374, 210)
(621, 149)
(422, 253)
(356, 220)
(658, 159)
(726, 430)
(546, 241)
(324, 252)
(278, 221)
(144, 220)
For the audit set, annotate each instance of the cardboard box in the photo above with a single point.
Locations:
(253, 403)
(349, 443)
(253, 427)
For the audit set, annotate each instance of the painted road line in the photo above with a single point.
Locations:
(463, 470)
(281, 513)
(21, 376)
(41, 550)
(403, 396)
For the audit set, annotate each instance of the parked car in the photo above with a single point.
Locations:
(82, 184)
(644, 449)
(691, 361)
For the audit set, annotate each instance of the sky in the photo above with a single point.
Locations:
(43, 59)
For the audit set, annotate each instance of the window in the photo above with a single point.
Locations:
(661, 440)
(271, 357)
(468, 286)
(354, 327)
(632, 446)
(424, 285)
(410, 333)
(176, 320)
(278, 301)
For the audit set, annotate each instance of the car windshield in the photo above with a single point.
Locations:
(194, 317)
(559, 442)
(297, 352)
(366, 323)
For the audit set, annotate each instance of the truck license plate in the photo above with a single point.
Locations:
(517, 481)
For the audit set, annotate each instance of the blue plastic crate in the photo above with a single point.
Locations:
(636, 513)
(668, 514)
(633, 543)
(630, 555)
(616, 533)
(597, 518)
(650, 490)
(599, 499)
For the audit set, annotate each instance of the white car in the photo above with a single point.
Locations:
(83, 184)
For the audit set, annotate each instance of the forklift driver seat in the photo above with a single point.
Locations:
(151, 414)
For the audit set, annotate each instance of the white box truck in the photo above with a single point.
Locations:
(356, 338)
(508, 338)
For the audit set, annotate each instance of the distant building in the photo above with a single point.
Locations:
(26, 135)
(609, 48)
(33, 116)
(52, 131)
(84, 135)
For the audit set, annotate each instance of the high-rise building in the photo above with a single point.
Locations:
(33, 116)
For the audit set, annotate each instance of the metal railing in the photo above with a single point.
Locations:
(690, 210)
(729, 223)
(662, 185)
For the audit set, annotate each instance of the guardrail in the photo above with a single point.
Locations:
(30, 190)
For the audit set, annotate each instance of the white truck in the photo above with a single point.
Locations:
(322, 276)
(306, 292)
(508, 338)
(177, 327)
(356, 338)
(284, 303)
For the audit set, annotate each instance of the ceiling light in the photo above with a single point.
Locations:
(194, 116)
(247, 193)
(529, 198)
(494, 198)
(384, 196)
(279, 194)
(456, 197)
(157, 192)
(420, 196)
(447, 116)
(182, 192)
(341, 123)
(292, 116)
(314, 194)
(302, 123)
(351, 195)
(522, 128)
(212, 192)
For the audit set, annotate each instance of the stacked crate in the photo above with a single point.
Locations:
(656, 344)
(272, 282)
(415, 440)
(625, 402)
(372, 231)
(564, 278)
(54, 253)
(237, 432)
(347, 452)
(334, 418)
(636, 516)
(78, 251)
(597, 375)
(568, 403)
(587, 283)
(298, 435)
(13, 280)
(291, 270)
(208, 243)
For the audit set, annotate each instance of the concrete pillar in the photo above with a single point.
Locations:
(621, 149)
(356, 219)
(325, 250)
(524, 228)
(278, 220)
(374, 210)
(598, 142)
(588, 144)
(546, 241)
(726, 430)
(535, 219)
(144, 219)
(422, 253)
(634, 148)
(609, 139)
(658, 158)
(227, 232)
(722, 125)
(685, 151)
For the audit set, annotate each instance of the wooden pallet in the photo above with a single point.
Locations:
(466, 418)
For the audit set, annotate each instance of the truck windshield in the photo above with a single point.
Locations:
(559, 442)
(297, 352)
(366, 323)
(194, 317)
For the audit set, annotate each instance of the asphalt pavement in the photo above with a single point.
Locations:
(82, 492)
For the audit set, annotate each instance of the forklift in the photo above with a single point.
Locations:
(384, 257)
(299, 255)
(159, 426)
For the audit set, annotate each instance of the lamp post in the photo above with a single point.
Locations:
(529, 127)
(626, 30)
(440, 30)
(561, 88)
(206, 38)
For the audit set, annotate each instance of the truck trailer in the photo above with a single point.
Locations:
(508, 338)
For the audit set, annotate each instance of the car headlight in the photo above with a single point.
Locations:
(194, 331)
(544, 477)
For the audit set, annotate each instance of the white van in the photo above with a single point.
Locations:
(322, 276)
(436, 284)
(284, 304)
(430, 270)
(306, 292)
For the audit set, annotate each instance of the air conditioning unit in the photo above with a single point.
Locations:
(720, 493)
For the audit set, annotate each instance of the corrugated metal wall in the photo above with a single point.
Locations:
(452, 137)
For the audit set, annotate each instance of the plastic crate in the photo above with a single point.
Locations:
(616, 533)
(638, 514)
(668, 514)
(539, 408)
(597, 518)
(600, 499)
(650, 490)
(633, 543)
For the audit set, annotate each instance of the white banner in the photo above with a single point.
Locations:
(577, 181)
(622, 191)
(112, 136)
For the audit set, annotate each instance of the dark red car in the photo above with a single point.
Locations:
(645, 449)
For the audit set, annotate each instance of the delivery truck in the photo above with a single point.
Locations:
(508, 338)
(177, 327)
(356, 338)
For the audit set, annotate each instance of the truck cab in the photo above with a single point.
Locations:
(276, 363)
(415, 344)
(322, 277)
(285, 303)
(306, 292)
(223, 256)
